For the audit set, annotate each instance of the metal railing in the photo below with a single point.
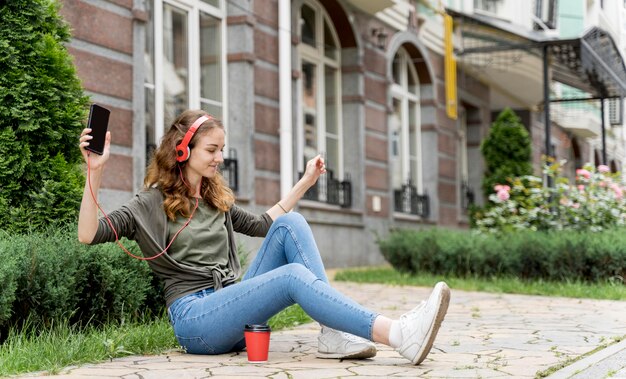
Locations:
(330, 190)
(407, 200)
(467, 195)
(229, 170)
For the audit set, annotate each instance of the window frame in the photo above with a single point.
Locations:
(193, 9)
(402, 93)
(316, 55)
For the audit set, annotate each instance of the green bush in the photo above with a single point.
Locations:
(42, 109)
(595, 202)
(507, 151)
(557, 256)
(50, 276)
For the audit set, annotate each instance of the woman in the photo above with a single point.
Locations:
(184, 222)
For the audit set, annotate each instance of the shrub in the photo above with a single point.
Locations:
(50, 276)
(596, 202)
(507, 151)
(42, 107)
(529, 255)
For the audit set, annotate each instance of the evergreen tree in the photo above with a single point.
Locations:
(42, 108)
(507, 151)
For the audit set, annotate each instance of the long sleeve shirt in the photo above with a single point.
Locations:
(143, 220)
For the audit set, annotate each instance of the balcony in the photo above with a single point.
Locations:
(407, 200)
(331, 191)
(229, 170)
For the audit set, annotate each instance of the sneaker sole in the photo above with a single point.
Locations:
(363, 354)
(432, 333)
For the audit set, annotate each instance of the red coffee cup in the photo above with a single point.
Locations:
(257, 342)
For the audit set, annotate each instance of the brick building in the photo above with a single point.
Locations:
(361, 81)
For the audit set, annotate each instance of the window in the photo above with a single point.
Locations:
(405, 129)
(319, 93)
(546, 12)
(184, 61)
(490, 6)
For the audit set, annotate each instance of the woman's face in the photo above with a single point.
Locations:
(206, 155)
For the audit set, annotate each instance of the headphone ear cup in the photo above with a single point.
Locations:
(182, 153)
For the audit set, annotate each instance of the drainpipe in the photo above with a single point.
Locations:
(546, 105)
(603, 130)
(284, 92)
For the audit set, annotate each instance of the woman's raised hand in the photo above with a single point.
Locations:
(96, 161)
(314, 168)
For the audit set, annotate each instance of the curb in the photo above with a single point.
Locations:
(579, 367)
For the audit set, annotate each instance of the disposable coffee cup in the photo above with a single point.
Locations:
(257, 342)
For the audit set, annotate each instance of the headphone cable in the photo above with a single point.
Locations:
(111, 223)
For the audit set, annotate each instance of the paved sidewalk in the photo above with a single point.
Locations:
(483, 336)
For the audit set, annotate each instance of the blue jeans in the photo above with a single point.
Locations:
(287, 270)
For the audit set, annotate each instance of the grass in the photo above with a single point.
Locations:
(576, 289)
(53, 348)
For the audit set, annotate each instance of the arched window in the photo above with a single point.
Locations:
(319, 93)
(405, 129)
(405, 123)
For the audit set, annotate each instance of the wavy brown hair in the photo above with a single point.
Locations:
(164, 170)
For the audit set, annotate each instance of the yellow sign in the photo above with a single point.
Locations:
(450, 68)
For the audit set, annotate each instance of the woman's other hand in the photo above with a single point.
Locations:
(314, 168)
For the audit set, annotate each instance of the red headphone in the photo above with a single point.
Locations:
(182, 149)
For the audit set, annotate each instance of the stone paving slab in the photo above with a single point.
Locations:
(483, 336)
(609, 362)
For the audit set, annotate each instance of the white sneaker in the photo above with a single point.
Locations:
(419, 326)
(340, 345)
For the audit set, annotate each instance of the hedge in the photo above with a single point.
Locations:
(48, 276)
(554, 256)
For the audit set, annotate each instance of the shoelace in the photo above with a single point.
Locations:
(412, 312)
(351, 337)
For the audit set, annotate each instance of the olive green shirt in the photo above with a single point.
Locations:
(203, 242)
(143, 220)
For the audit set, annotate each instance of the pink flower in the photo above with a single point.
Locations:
(575, 205)
(500, 187)
(618, 190)
(581, 188)
(602, 183)
(503, 195)
(584, 173)
(603, 168)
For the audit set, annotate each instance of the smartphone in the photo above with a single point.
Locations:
(98, 123)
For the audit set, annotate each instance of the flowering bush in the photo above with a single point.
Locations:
(595, 202)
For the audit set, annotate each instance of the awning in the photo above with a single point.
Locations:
(591, 63)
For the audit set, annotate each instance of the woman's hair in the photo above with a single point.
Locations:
(165, 173)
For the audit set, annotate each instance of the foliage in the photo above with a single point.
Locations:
(49, 276)
(506, 150)
(553, 256)
(594, 203)
(42, 107)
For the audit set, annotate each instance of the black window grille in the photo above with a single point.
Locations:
(467, 195)
(230, 170)
(407, 200)
(330, 190)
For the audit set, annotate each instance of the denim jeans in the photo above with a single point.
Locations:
(287, 270)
